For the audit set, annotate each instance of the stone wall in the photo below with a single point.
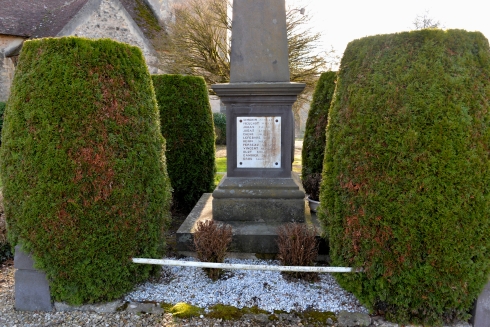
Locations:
(109, 19)
(7, 67)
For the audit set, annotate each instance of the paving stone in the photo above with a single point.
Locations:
(482, 310)
(353, 319)
(32, 291)
(108, 307)
(136, 307)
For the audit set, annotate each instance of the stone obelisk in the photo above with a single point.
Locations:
(259, 186)
(259, 192)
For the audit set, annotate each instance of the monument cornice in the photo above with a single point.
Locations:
(258, 89)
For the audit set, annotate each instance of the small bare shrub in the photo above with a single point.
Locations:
(5, 249)
(3, 229)
(211, 241)
(297, 247)
(3, 223)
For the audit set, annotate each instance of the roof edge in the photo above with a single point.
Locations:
(81, 17)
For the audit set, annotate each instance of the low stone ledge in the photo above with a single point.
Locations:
(353, 319)
(137, 307)
(108, 307)
(112, 307)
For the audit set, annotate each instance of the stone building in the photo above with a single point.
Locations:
(137, 22)
(163, 8)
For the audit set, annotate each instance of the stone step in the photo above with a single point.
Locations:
(256, 238)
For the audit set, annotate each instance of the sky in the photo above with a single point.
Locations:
(342, 21)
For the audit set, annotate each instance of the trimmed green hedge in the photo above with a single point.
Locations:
(2, 110)
(219, 120)
(406, 180)
(83, 166)
(187, 125)
(314, 140)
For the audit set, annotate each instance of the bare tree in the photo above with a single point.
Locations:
(197, 40)
(425, 21)
(306, 59)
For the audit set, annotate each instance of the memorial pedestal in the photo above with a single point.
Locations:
(260, 150)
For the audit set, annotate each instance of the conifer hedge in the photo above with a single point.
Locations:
(2, 110)
(406, 179)
(314, 139)
(83, 166)
(187, 125)
(219, 120)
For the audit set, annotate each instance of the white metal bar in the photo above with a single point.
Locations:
(168, 262)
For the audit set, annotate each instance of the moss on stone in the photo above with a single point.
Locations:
(318, 318)
(273, 317)
(146, 16)
(254, 310)
(184, 310)
(229, 312)
(143, 16)
(226, 312)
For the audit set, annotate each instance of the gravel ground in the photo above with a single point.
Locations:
(181, 284)
(10, 317)
(267, 290)
(172, 276)
(197, 284)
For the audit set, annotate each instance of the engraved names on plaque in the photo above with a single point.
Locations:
(258, 142)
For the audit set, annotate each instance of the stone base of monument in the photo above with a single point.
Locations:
(257, 238)
(277, 200)
(31, 285)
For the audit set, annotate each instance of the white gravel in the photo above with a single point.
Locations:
(267, 290)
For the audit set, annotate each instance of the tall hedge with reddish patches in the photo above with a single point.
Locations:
(406, 179)
(83, 166)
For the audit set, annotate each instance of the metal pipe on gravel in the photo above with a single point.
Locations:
(169, 262)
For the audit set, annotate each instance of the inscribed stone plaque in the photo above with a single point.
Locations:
(258, 142)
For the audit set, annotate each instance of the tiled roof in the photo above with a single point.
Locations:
(36, 18)
(44, 18)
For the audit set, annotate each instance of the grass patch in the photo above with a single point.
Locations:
(297, 165)
(221, 165)
(217, 179)
(220, 169)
